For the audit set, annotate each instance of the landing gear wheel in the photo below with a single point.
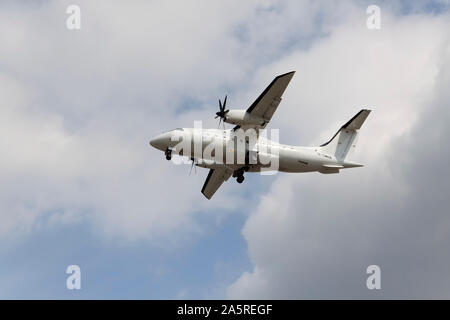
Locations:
(240, 179)
(168, 154)
(238, 173)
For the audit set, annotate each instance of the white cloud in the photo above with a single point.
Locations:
(78, 107)
(312, 236)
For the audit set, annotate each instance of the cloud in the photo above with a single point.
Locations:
(78, 107)
(313, 236)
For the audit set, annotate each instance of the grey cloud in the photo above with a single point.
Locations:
(85, 103)
(314, 236)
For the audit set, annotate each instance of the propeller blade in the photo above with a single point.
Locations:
(193, 162)
(222, 112)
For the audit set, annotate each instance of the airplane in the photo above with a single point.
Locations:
(327, 158)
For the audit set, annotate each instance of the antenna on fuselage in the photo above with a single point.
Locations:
(193, 165)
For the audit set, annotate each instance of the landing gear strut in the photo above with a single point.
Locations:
(168, 154)
(239, 175)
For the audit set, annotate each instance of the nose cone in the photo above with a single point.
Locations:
(160, 142)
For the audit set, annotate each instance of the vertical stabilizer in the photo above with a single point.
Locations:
(343, 143)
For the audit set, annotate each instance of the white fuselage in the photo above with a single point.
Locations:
(237, 151)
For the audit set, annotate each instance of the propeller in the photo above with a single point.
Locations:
(222, 113)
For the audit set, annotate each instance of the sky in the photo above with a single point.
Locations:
(80, 184)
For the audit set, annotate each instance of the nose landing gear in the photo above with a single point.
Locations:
(168, 154)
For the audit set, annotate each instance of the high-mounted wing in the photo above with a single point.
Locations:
(215, 179)
(268, 101)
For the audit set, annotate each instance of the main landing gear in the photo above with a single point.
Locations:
(168, 154)
(239, 174)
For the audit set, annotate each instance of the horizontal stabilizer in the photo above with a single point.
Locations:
(348, 164)
(333, 166)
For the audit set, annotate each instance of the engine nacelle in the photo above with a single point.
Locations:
(242, 117)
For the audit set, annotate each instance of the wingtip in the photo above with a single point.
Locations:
(209, 198)
(286, 74)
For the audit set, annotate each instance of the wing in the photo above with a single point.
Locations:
(269, 99)
(215, 179)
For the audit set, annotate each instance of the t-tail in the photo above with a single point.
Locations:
(343, 143)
